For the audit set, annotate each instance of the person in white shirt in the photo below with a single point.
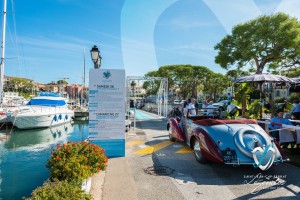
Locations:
(210, 110)
(190, 108)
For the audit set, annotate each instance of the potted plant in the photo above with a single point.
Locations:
(76, 161)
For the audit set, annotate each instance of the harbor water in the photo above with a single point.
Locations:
(24, 155)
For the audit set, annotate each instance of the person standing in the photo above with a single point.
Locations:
(229, 97)
(190, 109)
(184, 104)
(204, 104)
(296, 110)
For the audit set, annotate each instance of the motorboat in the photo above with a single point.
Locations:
(81, 113)
(46, 110)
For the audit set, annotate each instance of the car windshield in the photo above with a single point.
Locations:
(223, 101)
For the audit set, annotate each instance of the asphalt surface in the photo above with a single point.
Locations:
(173, 173)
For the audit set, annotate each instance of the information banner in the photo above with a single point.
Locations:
(107, 110)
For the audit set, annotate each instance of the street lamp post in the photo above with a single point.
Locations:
(96, 57)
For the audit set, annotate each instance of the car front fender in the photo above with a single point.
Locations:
(177, 132)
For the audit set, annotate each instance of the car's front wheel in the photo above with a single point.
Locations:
(172, 139)
(198, 152)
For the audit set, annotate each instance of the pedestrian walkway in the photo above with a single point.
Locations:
(115, 182)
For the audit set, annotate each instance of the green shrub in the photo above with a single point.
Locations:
(293, 97)
(279, 100)
(255, 108)
(76, 161)
(59, 190)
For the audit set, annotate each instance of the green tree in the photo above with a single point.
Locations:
(267, 41)
(242, 96)
(187, 78)
(133, 84)
(151, 86)
(215, 84)
(62, 82)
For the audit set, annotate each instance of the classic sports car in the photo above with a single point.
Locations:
(234, 142)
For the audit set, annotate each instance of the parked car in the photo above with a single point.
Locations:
(233, 142)
(222, 104)
(176, 102)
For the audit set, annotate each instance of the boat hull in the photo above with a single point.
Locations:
(40, 120)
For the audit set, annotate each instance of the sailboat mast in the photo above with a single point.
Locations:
(3, 51)
(83, 78)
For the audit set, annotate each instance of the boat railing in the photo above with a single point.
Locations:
(40, 108)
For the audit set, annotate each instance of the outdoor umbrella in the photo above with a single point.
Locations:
(296, 85)
(263, 78)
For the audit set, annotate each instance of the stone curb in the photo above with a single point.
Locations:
(97, 185)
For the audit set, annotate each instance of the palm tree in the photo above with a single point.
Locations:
(133, 84)
(242, 96)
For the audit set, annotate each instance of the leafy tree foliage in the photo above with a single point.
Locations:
(151, 86)
(21, 85)
(133, 84)
(214, 84)
(267, 41)
(189, 79)
(242, 96)
(62, 82)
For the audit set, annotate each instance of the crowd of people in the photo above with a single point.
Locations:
(190, 107)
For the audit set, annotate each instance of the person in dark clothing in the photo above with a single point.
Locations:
(296, 110)
(186, 102)
(196, 106)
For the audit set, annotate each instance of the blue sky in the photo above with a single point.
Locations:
(135, 35)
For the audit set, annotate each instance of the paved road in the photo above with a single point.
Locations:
(184, 178)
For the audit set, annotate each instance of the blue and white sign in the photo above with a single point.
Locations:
(107, 110)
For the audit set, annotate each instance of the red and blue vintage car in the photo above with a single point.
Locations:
(234, 142)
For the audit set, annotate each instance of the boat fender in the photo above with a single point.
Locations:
(60, 117)
(67, 117)
(55, 118)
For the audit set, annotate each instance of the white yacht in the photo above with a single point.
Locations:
(45, 110)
